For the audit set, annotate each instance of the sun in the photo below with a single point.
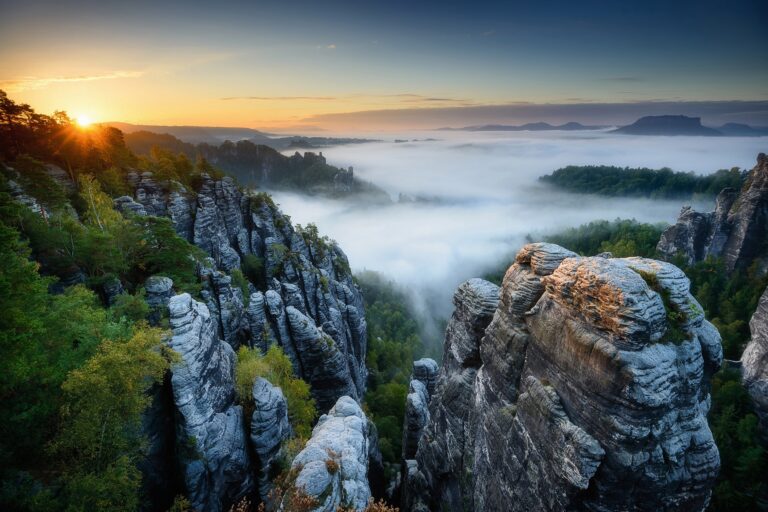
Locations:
(83, 121)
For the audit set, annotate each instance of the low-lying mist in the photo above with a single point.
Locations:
(475, 198)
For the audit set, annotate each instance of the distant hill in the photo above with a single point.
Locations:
(528, 127)
(743, 130)
(198, 134)
(264, 166)
(642, 182)
(667, 125)
(217, 135)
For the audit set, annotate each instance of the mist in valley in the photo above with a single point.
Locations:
(463, 204)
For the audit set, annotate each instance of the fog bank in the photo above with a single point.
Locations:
(483, 198)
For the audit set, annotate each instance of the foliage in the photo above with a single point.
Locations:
(394, 342)
(34, 179)
(253, 268)
(729, 300)
(42, 338)
(161, 251)
(239, 280)
(743, 458)
(133, 308)
(100, 436)
(621, 237)
(661, 183)
(276, 367)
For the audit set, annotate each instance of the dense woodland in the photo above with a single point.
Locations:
(643, 182)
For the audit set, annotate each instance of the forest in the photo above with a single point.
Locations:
(643, 182)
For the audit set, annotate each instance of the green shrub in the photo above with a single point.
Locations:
(276, 367)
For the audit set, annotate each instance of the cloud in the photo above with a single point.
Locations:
(331, 46)
(282, 98)
(34, 82)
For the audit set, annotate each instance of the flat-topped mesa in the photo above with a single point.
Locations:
(734, 231)
(591, 392)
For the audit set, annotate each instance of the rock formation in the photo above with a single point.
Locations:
(209, 428)
(444, 453)
(269, 428)
(754, 362)
(301, 271)
(736, 231)
(420, 390)
(159, 291)
(333, 466)
(587, 390)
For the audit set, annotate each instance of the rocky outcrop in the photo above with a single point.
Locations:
(590, 393)
(322, 364)
(332, 468)
(209, 430)
(269, 428)
(754, 363)
(300, 271)
(441, 472)
(736, 231)
(420, 390)
(159, 290)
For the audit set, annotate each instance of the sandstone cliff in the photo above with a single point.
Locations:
(333, 466)
(586, 390)
(209, 429)
(754, 362)
(736, 231)
(307, 294)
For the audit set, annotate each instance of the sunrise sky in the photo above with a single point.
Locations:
(307, 65)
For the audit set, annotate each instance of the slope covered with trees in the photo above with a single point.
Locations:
(642, 182)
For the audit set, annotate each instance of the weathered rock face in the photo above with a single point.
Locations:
(420, 390)
(269, 428)
(333, 466)
(209, 429)
(442, 473)
(587, 394)
(301, 271)
(735, 231)
(159, 291)
(754, 362)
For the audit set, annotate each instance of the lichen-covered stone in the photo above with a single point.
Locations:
(341, 437)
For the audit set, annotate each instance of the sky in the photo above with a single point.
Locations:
(307, 65)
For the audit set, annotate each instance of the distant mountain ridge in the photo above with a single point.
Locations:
(685, 125)
(528, 127)
(218, 134)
